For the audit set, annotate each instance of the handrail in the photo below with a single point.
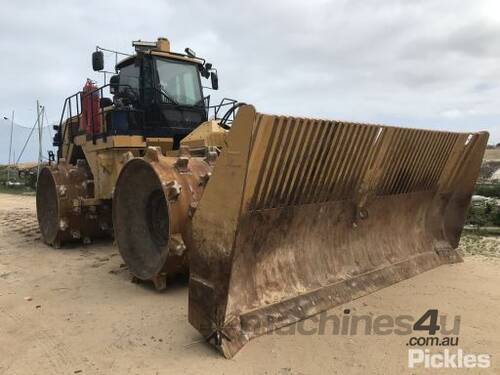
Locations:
(62, 136)
(223, 103)
(77, 97)
(80, 95)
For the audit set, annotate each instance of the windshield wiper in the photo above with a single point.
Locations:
(199, 103)
(170, 99)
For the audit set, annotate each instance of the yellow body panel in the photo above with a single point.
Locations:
(165, 144)
(208, 134)
(106, 157)
(115, 141)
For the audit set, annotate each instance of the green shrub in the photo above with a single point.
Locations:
(483, 214)
(496, 219)
(488, 190)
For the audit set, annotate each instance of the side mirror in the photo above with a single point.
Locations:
(114, 83)
(215, 80)
(98, 61)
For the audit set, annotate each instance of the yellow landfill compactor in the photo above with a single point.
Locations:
(276, 218)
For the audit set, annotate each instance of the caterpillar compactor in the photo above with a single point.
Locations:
(275, 218)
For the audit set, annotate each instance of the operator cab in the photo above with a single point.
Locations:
(157, 93)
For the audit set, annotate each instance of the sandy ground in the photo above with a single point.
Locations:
(492, 154)
(85, 316)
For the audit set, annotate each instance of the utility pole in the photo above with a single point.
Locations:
(10, 144)
(40, 129)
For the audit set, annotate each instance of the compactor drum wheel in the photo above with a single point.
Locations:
(63, 209)
(154, 200)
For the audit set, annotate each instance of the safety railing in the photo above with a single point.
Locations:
(72, 113)
(215, 110)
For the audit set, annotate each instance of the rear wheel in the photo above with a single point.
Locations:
(47, 206)
(63, 209)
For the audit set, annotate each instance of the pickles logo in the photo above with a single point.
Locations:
(447, 359)
(419, 357)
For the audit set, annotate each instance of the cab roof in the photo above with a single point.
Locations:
(159, 48)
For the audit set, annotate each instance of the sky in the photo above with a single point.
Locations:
(421, 63)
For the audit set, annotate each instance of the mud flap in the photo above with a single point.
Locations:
(301, 215)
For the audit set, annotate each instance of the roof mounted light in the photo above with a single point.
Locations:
(162, 44)
(190, 52)
(141, 46)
